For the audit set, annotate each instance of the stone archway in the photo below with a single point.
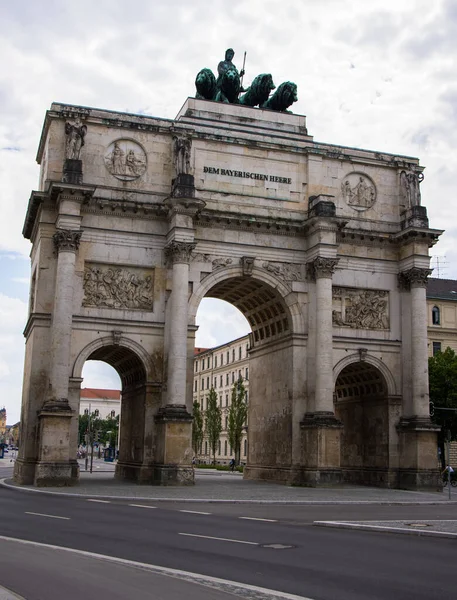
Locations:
(362, 405)
(275, 380)
(140, 401)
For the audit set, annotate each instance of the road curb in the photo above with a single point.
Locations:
(384, 529)
(4, 483)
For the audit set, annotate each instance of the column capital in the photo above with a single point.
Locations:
(321, 267)
(67, 240)
(179, 252)
(414, 277)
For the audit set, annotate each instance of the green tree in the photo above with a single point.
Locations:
(238, 412)
(442, 372)
(213, 422)
(107, 428)
(197, 428)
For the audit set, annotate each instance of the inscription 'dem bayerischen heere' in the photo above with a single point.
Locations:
(247, 174)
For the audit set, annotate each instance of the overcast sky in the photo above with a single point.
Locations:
(379, 75)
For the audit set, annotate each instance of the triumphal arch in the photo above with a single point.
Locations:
(324, 249)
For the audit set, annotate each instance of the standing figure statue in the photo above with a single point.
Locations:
(75, 133)
(409, 183)
(225, 65)
(181, 154)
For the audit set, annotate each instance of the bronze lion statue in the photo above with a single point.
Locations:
(259, 90)
(229, 87)
(205, 84)
(285, 96)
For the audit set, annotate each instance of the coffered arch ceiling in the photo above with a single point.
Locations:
(261, 304)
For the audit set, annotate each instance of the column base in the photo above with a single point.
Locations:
(24, 471)
(56, 474)
(320, 460)
(418, 444)
(173, 463)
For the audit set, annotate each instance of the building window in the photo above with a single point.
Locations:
(228, 357)
(206, 447)
(220, 400)
(245, 447)
(96, 412)
(113, 414)
(233, 355)
(207, 383)
(246, 396)
(221, 381)
(226, 399)
(226, 423)
(436, 347)
(195, 385)
(86, 411)
(436, 316)
(203, 384)
(240, 356)
(196, 365)
(219, 448)
(233, 376)
(226, 379)
(247, 374)
(215, 361)
(225, 448)
(239, 374)
(203, 364)
(222, 360)
(215, 383)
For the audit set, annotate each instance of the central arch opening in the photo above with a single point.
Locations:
(261, 357)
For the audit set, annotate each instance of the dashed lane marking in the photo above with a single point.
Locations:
(208, 537)
(142, 506)
(48, 516)
(195, 512)
(259, 519)
(101, 501)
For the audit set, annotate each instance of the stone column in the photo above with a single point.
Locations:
(66, 243)
(320, 429)
(321, 269)
(179, 254)
(55, 465)
(417, 435)
(174, 423)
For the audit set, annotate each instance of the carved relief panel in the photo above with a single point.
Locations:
(360, 309)
(358, 191)
(118, 287)
(126, 160)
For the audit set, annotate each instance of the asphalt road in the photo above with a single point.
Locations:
(285, 553)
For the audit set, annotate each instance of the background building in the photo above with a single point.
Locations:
(442, 315)
(219, 368)
(104, 403)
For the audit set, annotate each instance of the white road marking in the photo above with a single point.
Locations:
(195, 512)
(49, 516)
(101, 501)
(142, 506)
(208, 537)
(258, 519)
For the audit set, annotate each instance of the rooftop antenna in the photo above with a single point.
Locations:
(439, 263)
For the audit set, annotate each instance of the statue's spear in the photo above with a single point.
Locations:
(242, 70)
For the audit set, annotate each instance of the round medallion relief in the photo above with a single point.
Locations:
(126, 160)
(359, 191)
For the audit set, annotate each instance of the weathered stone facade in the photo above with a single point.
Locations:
(323, 248)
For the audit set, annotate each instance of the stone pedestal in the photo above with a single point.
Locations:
(419, 469)
(320, 461)
(54, 466)
(173, 464)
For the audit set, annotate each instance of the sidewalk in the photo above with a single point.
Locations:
(222, 486)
